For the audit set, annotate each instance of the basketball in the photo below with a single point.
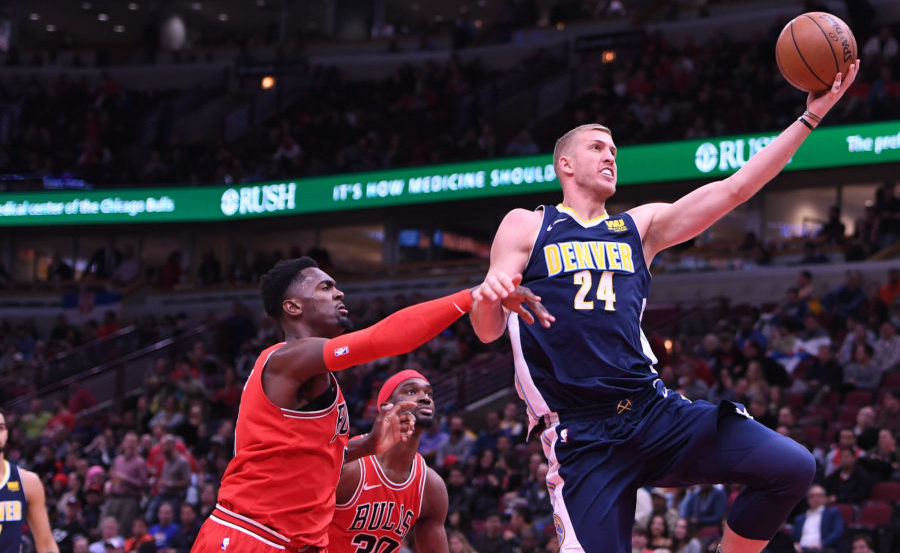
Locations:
(812, 48)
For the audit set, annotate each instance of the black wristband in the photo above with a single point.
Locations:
(805, 122)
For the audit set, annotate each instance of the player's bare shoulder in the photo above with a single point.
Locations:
(31, 484)
(520, 227)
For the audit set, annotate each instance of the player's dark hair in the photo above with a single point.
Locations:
(274, 284)
(864, 538)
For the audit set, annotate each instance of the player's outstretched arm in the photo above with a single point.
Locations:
(664, 225)
(509, 256)
(36, 516)
(431, 536)
(399, 333)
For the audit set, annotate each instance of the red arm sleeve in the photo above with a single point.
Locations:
(399, 333)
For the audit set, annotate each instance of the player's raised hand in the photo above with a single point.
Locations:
(522, 296)
(497, 285)
(394, 423)
(819, 104)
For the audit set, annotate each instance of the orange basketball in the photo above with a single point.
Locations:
(812, 48)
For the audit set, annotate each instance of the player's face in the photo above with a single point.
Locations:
(4, 433)
(595, 161)
(419, 391)
(322, 301)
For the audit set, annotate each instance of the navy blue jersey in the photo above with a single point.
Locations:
(592, 277)
(12, 510)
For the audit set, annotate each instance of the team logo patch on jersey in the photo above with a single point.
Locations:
(342, 425)
(616, 225)
(560, 529)
(341, 351)
(13, 486)
(225, 543)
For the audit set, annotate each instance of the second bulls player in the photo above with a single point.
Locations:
(380, 497)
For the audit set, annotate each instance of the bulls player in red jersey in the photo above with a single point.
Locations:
(291, 432)
(380, 497)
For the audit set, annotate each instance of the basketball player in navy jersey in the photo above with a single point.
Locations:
(609, 425)
(21, 500)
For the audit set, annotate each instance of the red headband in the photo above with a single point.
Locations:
(391, 384)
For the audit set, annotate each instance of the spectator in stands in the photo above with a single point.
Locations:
(188, 528)
(59, 270)
(865, 431)
(432, 440)
(883, 460)
(833, 230)
(843, 301)
(887, 348)
(460, 444)
(174, 477)
(69, 526)
(858, 334)
(164, 531)
(806, 290)
(722, 389)
(862, 373)
(139, 536)
(458, 543)
(90, 513)
(887, 206)
(684, 538)
(129, 270)
(523, 145)
(512, 422)
(821, 526)
(850, 483)
(658, 533)
(35, 420)
(889, 416)
(640, 540)
(170, 276)
(527, 541)
(862, 544)
(704, 506)
(890, 289)
(520, 520)
(846, 439)
(103, 262)
(460, 495)
(491, 540)
(109, 533)
(811, 254)
(881, 47)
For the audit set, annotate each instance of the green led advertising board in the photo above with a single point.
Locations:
(691, 159)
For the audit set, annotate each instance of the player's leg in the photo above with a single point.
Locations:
(775, 470)
(592, 489)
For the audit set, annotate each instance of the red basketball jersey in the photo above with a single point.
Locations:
(281, 483)
(380, 513)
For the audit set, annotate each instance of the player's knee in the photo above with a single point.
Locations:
(797, 467)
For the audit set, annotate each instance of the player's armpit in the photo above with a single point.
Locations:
(399, 333)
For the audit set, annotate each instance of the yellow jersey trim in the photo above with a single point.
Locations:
(592, 223)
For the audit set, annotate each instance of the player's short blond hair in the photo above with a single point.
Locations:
(566, 139)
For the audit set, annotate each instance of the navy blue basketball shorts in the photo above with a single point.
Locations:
(658, 437)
